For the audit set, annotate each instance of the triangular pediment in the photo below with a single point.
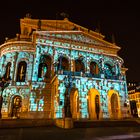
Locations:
(77, 36)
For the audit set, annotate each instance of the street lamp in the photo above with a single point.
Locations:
(4, 82)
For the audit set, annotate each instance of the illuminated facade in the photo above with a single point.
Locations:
(47, 56)
(134, 98)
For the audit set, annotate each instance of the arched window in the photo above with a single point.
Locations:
(94, 69)
(79, 66)
(21, 71)
(108, 70)
(44, 69)
(7, 72)
(63, 63)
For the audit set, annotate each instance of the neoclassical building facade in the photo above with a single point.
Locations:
(57, 66)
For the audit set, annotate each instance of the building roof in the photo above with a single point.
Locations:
(62, 25)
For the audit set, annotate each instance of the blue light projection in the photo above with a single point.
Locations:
(38, 90)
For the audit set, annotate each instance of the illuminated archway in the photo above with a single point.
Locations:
(93, 99)
(16, 106)
(114, 104)
(74, 103)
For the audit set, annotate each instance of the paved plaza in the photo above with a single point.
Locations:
(55, 133)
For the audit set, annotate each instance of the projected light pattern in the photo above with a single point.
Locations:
(39, 95)
(84, 84)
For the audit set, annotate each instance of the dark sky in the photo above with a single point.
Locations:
(118, 17)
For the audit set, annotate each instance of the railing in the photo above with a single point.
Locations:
(73, 73)
(113, 77)
(81, 74)
(93, 75)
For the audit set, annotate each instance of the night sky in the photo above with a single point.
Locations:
(120, 18)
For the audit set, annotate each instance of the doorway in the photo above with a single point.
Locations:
(74, 102)
(114, 106)
(16, 106)
(93, 101)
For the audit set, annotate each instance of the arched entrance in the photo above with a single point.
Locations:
(114, 104)
(16, 106)
(94, 104)
(74, 103)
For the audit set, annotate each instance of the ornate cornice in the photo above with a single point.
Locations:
(16, 46)
(85, 43)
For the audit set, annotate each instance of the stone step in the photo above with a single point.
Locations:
(18, 123)
(111, 123)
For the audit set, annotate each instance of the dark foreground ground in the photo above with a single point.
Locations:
(55, 133)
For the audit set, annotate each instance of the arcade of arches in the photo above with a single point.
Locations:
(93, 101)
(46, 69)
(94, 104)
